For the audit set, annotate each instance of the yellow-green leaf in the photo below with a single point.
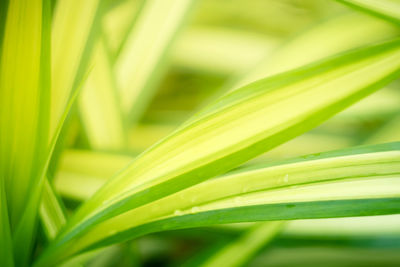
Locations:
(238, 127)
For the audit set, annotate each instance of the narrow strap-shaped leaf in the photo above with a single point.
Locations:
(99, 108)
(348, 206)
(75, 28)
(25, 93)
(91, 170)
(251, 120)
(241, 250)
(141, 62)
(386, 9)
(22, 96)
(51, 208)
(322, 39)
(276, 191)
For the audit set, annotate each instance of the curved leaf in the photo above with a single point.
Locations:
(242, 125)
(281, 190)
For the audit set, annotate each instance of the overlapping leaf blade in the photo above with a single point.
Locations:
(75, 25)
(321, 40)
(242, 125)
(281, 190)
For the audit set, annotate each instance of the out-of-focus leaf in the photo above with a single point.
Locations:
(386, 9)
(118, 21)
(51, 210)
(346, 227)
(221, 50)
(88, 169)
(241, 250)
(328, 256)
(74, 31)
(388, 133)
(99, 105)
(238, 127)
(324, 39)
(141, 63)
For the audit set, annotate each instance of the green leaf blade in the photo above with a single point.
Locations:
(243, 124)
(25, 93)
(327, 179)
